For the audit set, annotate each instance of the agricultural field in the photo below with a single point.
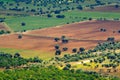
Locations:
(38, 22)
(51, 40)
(79, 35)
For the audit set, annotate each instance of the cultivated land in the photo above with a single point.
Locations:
(85, 34)
(86, 30)
(28, 29)
(109, 8)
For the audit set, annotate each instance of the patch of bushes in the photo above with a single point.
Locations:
(52, 73)
(8, 60)
(4, 32)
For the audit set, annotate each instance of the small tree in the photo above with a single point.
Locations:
(103, 30)
(111, 39)
(74, 50)
(7, 67)
(23, 24)
(56, 39)
(116, 6)
(16, 55)
(80, 7)
(60, 16)
(19, 36)
(36, 59)
(8, 32)
(58, 52)
(66, 68)
(68, 65)
(49, 15)
(64, 39)
(65, 49)
(2, 32)
(90, 19)
(57, 12)
(81, 49)
(57, 46)
(2, 19)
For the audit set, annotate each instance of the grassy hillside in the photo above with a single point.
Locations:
(35, 22)
(99, 63)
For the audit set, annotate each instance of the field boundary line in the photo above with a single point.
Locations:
(73, 39)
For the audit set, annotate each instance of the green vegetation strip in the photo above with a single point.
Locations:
(50, 73)
(38, 22)
(29, 53)
(76, 13)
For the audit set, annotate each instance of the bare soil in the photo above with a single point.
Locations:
(83, 34)
(89, 30)
(110, 8)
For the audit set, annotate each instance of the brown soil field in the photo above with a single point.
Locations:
(83, 34)
(110, 8)
(89, 30)
(2, 27)
(30, 42)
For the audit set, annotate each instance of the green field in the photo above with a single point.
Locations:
(45, 55)
(29, 53)
(34, 22)
(38, 22)
(95, 15)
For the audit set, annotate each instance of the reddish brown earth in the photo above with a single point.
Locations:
(2, 27)
(110, 8)
(39, 43)
(85, 34)
(89, 30)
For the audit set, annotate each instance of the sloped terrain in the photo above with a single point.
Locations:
(84, 34)
(2, 27)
